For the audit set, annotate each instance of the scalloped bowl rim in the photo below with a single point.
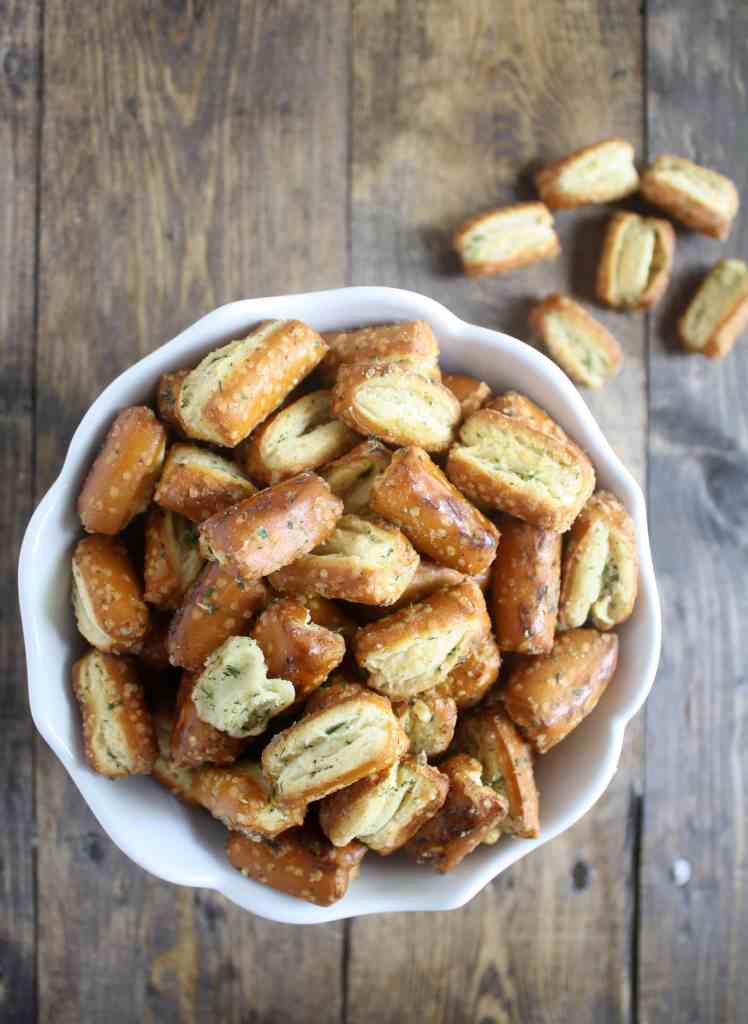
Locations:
(188, 847)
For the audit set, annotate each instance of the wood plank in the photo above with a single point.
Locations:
(192, 154)
(451, 105)
(19, 125)
(694, 931)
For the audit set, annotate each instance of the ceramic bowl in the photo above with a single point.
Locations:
(186, 846)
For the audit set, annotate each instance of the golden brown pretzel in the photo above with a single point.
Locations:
(398, 406)
(429, 720)
(172, 559)
(120, 483)
(499, 240)
(295, 648)
(489, 735)
(416, 648)
(272, 528)
(364, 559)
(301, 862)
(385, 810)
(218, 605)
(549, 695)
(117, 729)
(352, 476)
(197, 483)
(300, 436)
(636, 260)
(235, 387)
(239, 796)
(472, 811)
(526, 582)
(194, 742)
(581, 345)
(600, 173)
(333, 747)
(502, 461)
(471, 393)
(107, 596)
(600, 566)
(411, 345)
(697, 196)
(415, 495)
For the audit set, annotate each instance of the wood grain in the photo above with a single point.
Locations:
(473, 96)
(19, 140)
(694, 934)
(192, 154)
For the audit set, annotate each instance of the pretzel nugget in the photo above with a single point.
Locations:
(385, 810)
(197, 483)
(636, 261)
(429, 722)
(301, 436)
(700, 198)
(117, 729)
(233, 692)
(352, 476)
(295, 648)
(339, 687)
(512, 403)
(488, 735)
(328, 614)
(301, 862)
(107, 597)
(582, 347)
(366, 560)
(415, 495)
(333, 747)
(121, 481)
(471, 812)
(417, 647)
(428, 577)
(472, 394)
(600, 567)
(548, 696)
(470, 680)
(509, 465)
(172, 560)
(273, 528)
(195, 742)
(398, 406)
(526, 583)
(180, 781)
(217, 606)
(410, 345)
(239, 797)
(235, 387)
(167, 398)
(718, 312)
(506, 238)
(599, 173)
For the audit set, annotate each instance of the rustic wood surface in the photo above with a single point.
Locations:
(160, 158)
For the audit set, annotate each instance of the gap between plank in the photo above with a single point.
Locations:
(635, 823)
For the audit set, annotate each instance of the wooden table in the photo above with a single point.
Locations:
(160, 158)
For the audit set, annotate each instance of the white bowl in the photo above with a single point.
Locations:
(186, 846)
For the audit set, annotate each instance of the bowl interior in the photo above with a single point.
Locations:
(186, 846)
